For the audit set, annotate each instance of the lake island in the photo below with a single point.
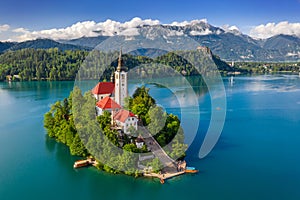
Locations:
(121, 134)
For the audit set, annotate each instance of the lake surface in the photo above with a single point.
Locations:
(256, 157)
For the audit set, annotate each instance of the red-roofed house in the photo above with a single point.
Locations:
(107, 104)
(103, 89)
(125, 119)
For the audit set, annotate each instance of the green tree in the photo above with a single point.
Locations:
(157, 119)
(156, 165)
(104, 120)
(133, 132)
(131, 148)
(49, 123)
(77, 147)
(141, 103)
(59, 124)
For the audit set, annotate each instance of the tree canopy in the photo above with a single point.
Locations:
(73, 122)
(59, 124)
(164, 127)
(54, 64)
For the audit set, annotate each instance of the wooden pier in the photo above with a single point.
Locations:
(85, 163)
(168, 173)
(163, 176)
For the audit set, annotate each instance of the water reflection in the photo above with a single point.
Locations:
(279, 83)
(50, 144)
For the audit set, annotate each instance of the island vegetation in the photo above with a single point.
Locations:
(60, 124)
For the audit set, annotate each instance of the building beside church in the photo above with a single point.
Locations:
(103, 89)
(125, 119)
(107, 104)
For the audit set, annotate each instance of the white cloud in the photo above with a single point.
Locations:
(4, 27)
(130, 32)
(268, 30)
(92, 28)
(85, 28)
(20, 30)
(205, 32)
(75, 31)
(184, 23)
(135, 22)
(129, 29)
(231, 29)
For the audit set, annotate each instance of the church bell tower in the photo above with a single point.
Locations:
(120, 82)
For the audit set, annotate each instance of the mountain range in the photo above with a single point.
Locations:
(228, 43)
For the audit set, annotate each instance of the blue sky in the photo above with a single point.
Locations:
(245, 14)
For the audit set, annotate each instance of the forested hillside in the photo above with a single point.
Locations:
(55, 64)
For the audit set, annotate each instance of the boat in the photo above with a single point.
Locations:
(81, 163)
(191, 170)
(162, 181)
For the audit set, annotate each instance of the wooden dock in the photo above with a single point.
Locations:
(163, 176)
(85, 163)
(168, 173)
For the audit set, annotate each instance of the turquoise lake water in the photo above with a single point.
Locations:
(256, 157)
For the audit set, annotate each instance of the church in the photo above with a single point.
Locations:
(111, 96)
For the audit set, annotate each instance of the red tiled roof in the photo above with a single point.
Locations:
(108, 103)
(122, 115)
(104, 88)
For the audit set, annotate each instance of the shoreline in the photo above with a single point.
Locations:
(162, 175)
(223, 74)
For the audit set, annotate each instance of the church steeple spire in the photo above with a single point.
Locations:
(120, 62)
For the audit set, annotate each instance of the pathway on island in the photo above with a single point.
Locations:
(168, 163)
